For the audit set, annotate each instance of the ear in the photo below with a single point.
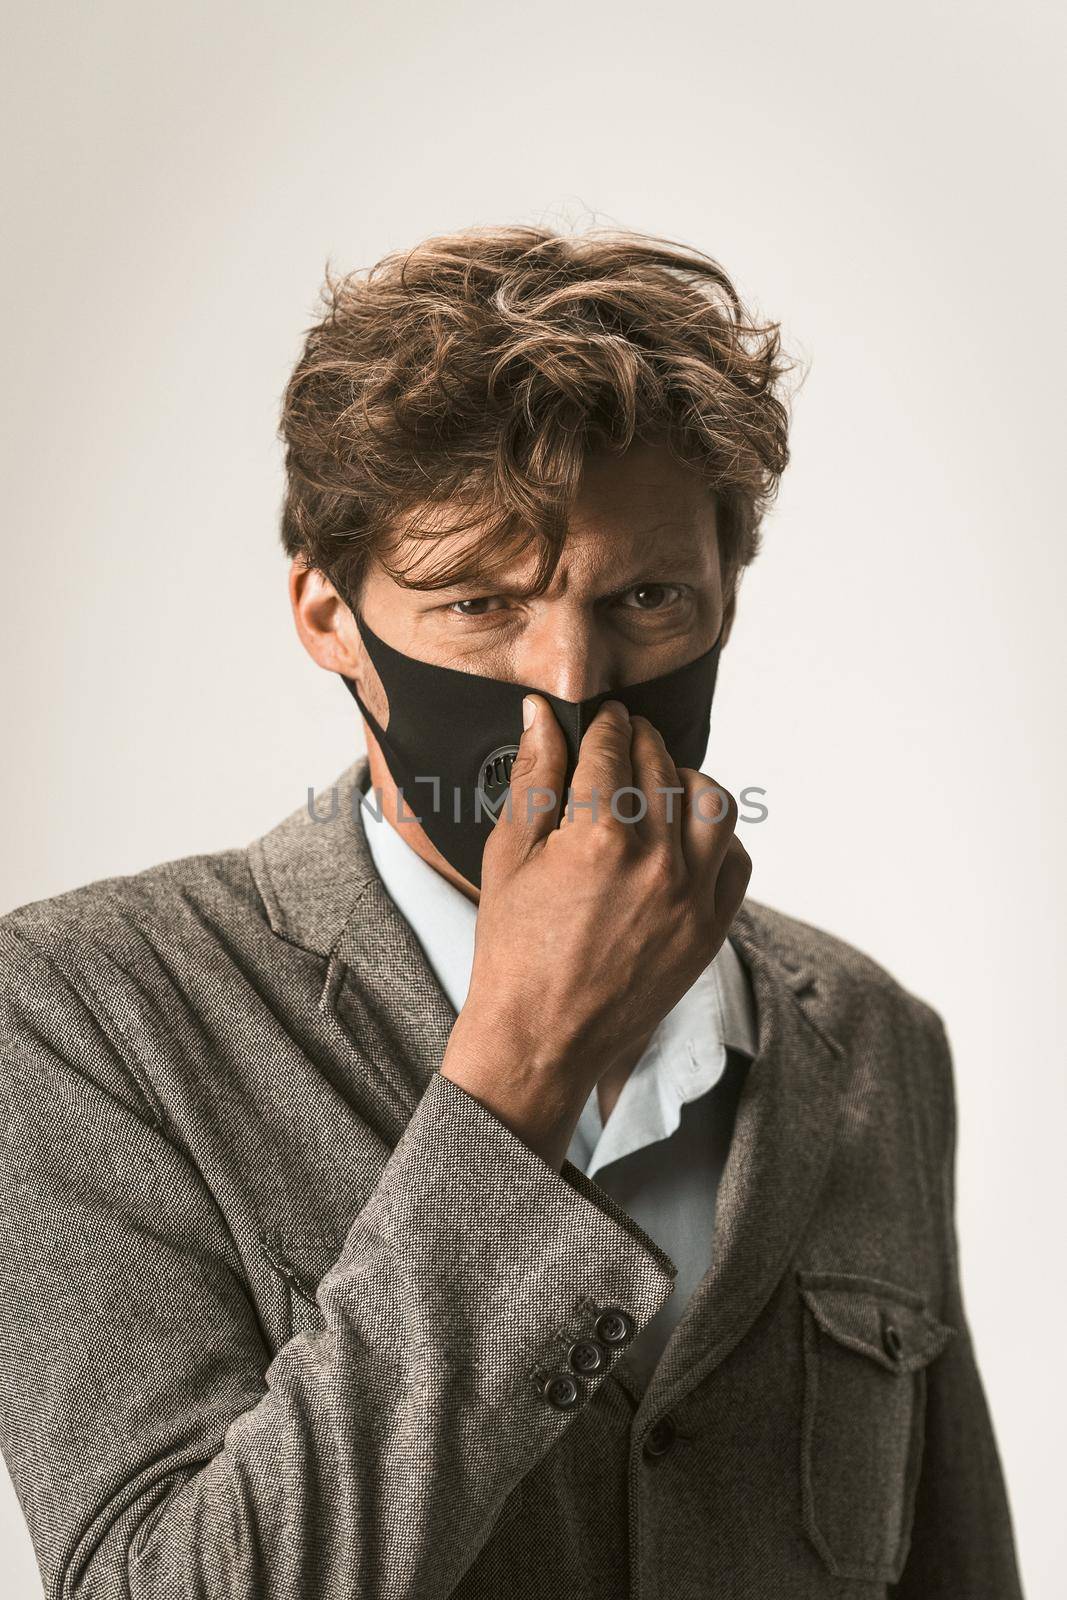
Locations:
(324, 622)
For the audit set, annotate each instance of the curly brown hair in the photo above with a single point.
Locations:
(461, 384)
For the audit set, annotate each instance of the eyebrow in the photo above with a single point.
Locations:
(679, 562)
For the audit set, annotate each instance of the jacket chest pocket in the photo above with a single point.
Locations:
(867, 1345)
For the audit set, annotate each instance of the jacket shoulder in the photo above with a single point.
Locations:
(84, 973)
(896, 1042)
(219, 881)
(849, 979)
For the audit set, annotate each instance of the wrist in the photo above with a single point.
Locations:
(541, 1104)
(512, 1033)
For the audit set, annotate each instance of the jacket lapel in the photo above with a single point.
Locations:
(782, 1141)
(382, 991)
(380, 999)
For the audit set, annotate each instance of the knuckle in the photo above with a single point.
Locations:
(714, 803)
(596, 787)
(734, 876)
(610, 725)
(605, 845)
(740, 855)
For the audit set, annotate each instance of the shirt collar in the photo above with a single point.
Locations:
(684, 1059)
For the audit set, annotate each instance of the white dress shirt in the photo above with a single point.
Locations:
(661, 1152)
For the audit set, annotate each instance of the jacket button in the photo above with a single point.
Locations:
(660, 1437)
(892, 1341)
(586, 1355)
(613, 1326)
(561, 1391)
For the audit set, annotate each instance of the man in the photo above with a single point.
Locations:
(310, 1289)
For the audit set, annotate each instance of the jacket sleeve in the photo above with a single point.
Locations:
(962, 1541)
(158, 1450)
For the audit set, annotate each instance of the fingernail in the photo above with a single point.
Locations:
(617, 705)
(529, 711)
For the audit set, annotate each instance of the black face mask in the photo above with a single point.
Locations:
(453, 736)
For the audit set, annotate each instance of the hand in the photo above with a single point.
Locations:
(589, 933)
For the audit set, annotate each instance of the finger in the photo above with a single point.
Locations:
(732, 883)
(536, 790)
(663, 792)
(603, 767)
(709, 819)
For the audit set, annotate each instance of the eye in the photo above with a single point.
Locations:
(479, 602)
(651, 596)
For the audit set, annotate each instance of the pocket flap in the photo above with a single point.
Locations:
(876, 1319)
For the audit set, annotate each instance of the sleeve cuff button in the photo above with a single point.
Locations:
(614, 1326)
(561, 1391)
(586, 1355)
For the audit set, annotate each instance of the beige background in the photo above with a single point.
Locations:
(882, 179)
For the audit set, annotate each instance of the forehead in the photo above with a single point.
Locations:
(644, 480)
(629, 509)
(637, 505)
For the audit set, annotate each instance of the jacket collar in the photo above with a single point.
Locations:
(312, 868)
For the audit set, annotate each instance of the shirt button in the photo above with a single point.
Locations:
(586, 1355)
(561, 1391)
(660, 1437)
(892, 1341)
(614, 1326)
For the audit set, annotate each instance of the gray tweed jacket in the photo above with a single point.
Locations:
(288, 1315)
